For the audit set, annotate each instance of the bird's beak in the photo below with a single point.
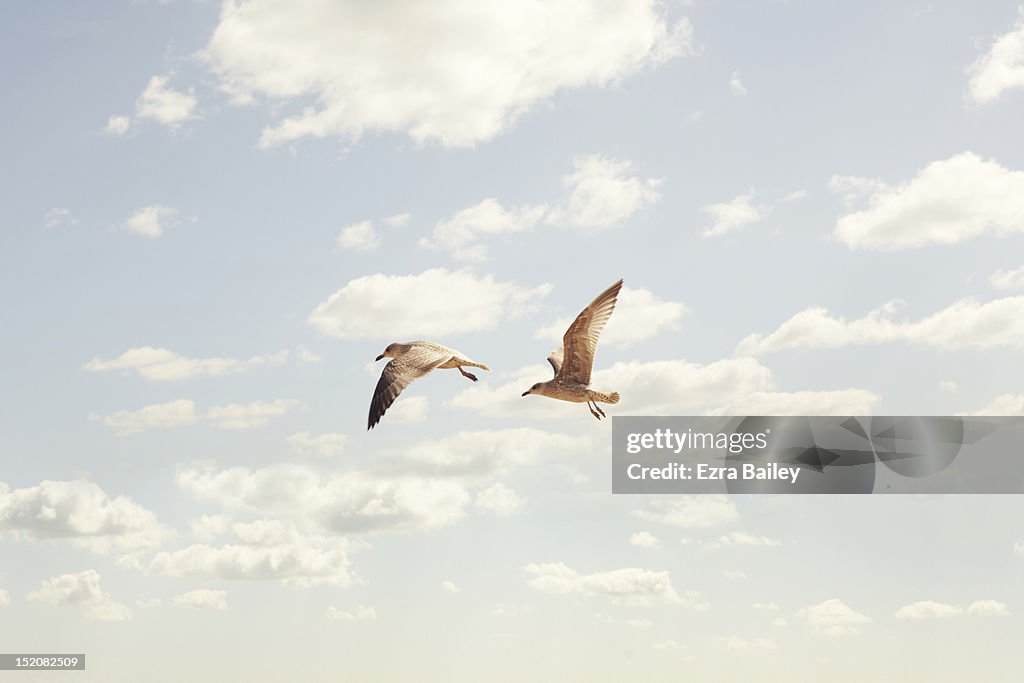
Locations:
(526, 393)
(379, 357)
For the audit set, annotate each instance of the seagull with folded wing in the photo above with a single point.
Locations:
(574, 361)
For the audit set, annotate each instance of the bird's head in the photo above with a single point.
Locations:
(535, 389)
(390, 352)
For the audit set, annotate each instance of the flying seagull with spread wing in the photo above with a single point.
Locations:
(574, 361)
(412, 360)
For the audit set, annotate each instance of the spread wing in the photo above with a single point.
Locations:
(397, 375)
(556, 359)
(580, 340)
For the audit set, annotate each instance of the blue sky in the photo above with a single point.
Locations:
(218, 215)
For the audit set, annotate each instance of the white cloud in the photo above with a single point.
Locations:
(740, 538)
(780, 622)
(836, 402)
(267, 550)
(58, 216)
(733, 215)
(604, 193)
(80, 510)
(629, 586)
(305, 355)
(208, 527)
(691, 512)
(639, 315)
(182, 413)
(202, 598)
(736, 643)
(498, 499)
(360, 236)
(734, 574)
(736, 84)
(404, 306)
(165, 365)
(409, 410)
(5, 598)
(1018, 548)
(948, 201)
(151, 221)
(1004, 404)
(1001, 68)
(644, 539)
(361, 612)
(927, 609)
(667, 645)
(355, 501)
(163, 104)
(449, 587)
(81, 590)
(397, 221)
(987, 608)
(947, 386)
(1008, 279)
(486, 452)
(250, 415)
(460, 233)
(966, 323)
(833, 618)
(118, 125)
(323, 445)
(457, 74)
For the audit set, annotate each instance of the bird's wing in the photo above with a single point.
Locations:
(580, 340)
(556, 359)
(398, 374)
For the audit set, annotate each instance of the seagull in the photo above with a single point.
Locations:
(574, 360)
(412, 360)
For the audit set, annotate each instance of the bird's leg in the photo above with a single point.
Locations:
(467, 374)
(599, 409)
(592, 411)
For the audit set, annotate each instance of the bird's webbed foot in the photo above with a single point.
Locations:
(592, 411)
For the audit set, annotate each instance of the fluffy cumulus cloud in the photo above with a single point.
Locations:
(164, 365)
(927, 609)
(80, 511)
(361, 236)
(361, 612)
(964, 324)
(733, 215)
(644, 539)
(449, 587)
(151, 221)
(161, 103)
(630, 586)
(499, 500)
(408, 306)
(409, 410)
(987, 608)
(605, 192)
(356, 501)
(117, 125)
(202, 598)
(1004, 404)
(84, 592)
(481, 453)
(208, 527)
(1001, 68)
(453, 72)
(265, 550)
(833, 618)
(691, 512)
(639, 315)
(948, 201)
(322, 445)
(736, 84)
(1008, 279)
(182, 413)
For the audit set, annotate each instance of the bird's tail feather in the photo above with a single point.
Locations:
(612, 398)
